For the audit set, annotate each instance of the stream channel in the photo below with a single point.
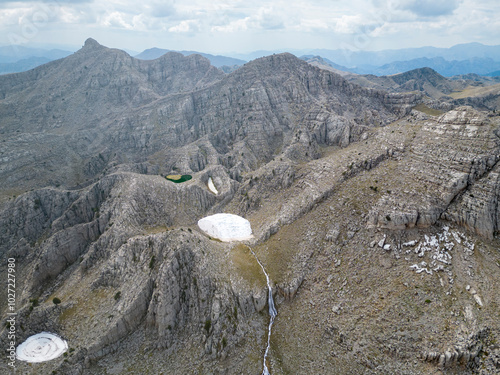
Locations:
(272, 313)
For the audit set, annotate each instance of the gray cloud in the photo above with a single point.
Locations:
(162, 9)
(429, 8)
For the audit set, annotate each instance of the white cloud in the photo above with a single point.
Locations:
(116, 19)
(233, 26)
(299, 23)
(186, 26)
(349, 24)
(310, 25)
(265, 18)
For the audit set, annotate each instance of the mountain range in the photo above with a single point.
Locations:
(217, 61)
(482, 66)
(15, 59)
(374, 204)
(459, 52)
(457, 60)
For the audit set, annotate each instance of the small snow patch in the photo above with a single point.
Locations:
(226, 227)
(41, 347)
(212, 187)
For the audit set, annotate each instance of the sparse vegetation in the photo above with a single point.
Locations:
(428, 111)
(208, 325)
(247, 267)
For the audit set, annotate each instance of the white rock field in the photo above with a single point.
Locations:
(41, 347)
(226, 227)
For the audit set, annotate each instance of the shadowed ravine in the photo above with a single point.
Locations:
(272, 313)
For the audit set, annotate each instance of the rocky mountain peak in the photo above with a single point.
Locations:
(422, 74)
(91, 44)
(285, 60)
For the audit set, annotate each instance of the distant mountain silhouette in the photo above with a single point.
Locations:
(458, 52)
(14, 59)
(446, 68)
(217, 61)
(23, 65)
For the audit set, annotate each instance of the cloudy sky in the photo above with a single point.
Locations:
(223, 26)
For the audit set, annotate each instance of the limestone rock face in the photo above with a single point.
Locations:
(447, 161)
(464, 116)
(100, 108)
(478, 209)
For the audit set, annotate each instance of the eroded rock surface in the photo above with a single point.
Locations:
(448, 159)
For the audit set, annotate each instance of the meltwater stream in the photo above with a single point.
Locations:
(272, 313)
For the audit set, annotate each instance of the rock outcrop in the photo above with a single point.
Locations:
(448, 159)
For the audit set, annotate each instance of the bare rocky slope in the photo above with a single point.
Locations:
(377, 223)
(99, 108)
(440, 93)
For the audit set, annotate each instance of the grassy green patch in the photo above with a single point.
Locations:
(177, 178)
(473, 91)
(247, 267)
(156, 229)
(85, 307)
(429, 111)
(278, 255)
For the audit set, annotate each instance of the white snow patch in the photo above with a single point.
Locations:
(41, 347)
(211, 186)
(226, 227)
